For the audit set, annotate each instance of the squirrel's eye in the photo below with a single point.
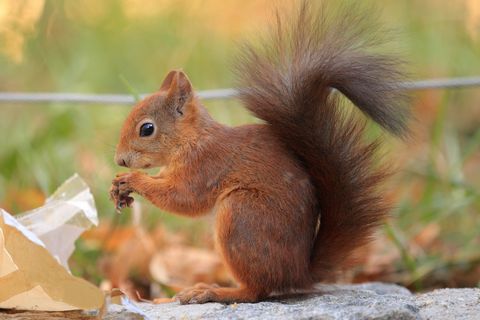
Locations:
(146, 129)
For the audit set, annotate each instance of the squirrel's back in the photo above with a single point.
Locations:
(288, 80)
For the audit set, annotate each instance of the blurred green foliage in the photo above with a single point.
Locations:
(94, 46)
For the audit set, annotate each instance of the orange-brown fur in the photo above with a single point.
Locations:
(293, 197)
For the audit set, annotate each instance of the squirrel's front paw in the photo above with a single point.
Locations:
(121, 189)
(121, 200)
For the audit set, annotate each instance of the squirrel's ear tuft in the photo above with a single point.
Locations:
(178, 88)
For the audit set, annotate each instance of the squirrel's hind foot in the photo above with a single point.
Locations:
(203, 293)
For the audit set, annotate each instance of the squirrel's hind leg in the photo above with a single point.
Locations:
(202, 293)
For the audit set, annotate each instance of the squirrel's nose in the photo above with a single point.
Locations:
(121, 161)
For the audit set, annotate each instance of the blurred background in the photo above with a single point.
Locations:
(112, 46)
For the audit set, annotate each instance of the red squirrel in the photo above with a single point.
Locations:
(293, 197)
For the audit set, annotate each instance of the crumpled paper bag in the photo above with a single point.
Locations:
(35, 247)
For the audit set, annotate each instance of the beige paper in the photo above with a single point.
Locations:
(37, 281)
(34, 250)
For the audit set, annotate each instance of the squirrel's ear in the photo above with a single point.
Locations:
(178, 88)
(167, 82)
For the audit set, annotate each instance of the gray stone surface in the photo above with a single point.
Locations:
(364, 301)
(450, 304)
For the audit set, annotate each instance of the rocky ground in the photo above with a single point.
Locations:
(365, 301)
(352, 302)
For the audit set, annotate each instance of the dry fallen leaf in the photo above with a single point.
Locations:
(183, 266)
(134, 254)
(163, 300)
(427, 236)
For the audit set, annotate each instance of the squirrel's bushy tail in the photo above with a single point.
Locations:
(287, 80)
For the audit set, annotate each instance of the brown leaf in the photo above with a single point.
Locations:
(22, 199)
(182, 266)
(163, 300)
(134, 254)
(427, 237)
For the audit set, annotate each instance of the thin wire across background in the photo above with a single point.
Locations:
(47, 97)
